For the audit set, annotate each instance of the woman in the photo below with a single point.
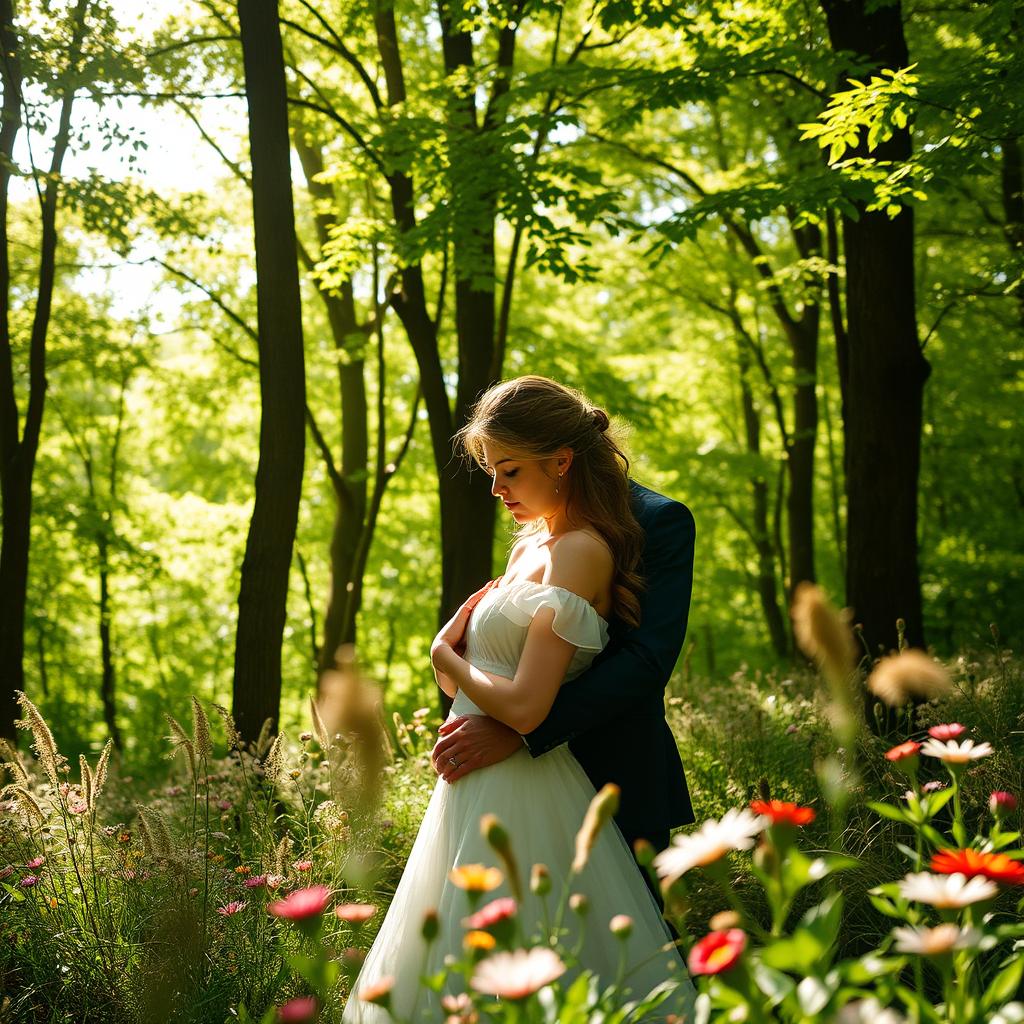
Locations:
(562, 477)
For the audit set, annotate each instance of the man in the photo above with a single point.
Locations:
(613, 715)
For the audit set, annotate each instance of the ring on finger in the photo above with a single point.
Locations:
(453, 762)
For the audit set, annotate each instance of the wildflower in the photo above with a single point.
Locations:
(780, 811)
(952, 752)
(298, 1011)
(124, 837)
(643, 852)
(518, 974)
(303, 865)
(232, 908)
(7, 871)
(301, 904)
(1001, 802)
(946, 891)
(933, 787)
(601, 810)
(735, 831)
(460, 1004)
(295, 774)
(904, 751)
(305, 737)
(274, 881)
(352, 959)
(225, 805)
(243, 869)
(355, 913)
(173, 791)
(475, 878)
(256, 882)
(822, 633)
(791, 729)
(36, 862)
(540, 880)
(53, 902)
(496, 835)
(947, 731)
(579, 904)
(492, 914)
(934, 941)
(717, 951)
(978, 864)
(621, 926)
(478, 940)
(28, 881)
(378, 992)
(909, 674)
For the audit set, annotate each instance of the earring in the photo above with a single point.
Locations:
(559, 483)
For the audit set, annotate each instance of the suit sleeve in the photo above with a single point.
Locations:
(641, 666)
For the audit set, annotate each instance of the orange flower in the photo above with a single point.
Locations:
(476, 877)
(479, 940)
(355, 913)
(378, 992)
(243, 870)
(780, 811)
(972, 863)
(904, 750)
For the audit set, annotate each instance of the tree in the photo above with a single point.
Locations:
(263, 591)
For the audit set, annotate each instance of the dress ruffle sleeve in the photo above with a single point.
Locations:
(575, 620)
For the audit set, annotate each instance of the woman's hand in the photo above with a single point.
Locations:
(453, 633)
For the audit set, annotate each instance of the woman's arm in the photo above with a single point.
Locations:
(453, 635)
(522, 702)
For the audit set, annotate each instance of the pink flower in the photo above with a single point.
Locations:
(303, 865)
(903, 751)
(232, 908)
(355, 913)
(225, 805)
(298, 1011)
(493, 913)
(255, 882)
(948, 731)
(518, 974)
(302, 904)
(36, 862)
(174, 791)
(378, 992)
(933, 787)
(28, 881)
(1001, 802)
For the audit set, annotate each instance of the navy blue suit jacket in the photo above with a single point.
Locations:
(613, 715)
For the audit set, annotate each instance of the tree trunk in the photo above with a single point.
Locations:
(263, 591)
(885, 368)
(18, 447)
(1012, 192)
(767, 586)
(108, 679)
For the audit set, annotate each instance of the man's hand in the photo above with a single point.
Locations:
(472, 741)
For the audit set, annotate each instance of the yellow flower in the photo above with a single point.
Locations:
(475, 877)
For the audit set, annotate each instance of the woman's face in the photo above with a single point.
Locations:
(526, 485)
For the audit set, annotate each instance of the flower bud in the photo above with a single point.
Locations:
(540, 880)
(644, 853)
(431, 926)
(1001, 802)
(621, 926)
(579, 904)
(724, 920)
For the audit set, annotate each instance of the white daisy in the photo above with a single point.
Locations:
(868, 1011)
(517, 974)
(712, 841)
(951, 752)
(946, 890)
(933, 941)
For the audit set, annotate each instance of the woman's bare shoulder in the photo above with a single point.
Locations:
(582, 562)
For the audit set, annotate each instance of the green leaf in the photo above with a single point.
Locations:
(775, 985)
(890, 812)
(1006, 983)
(813, 995)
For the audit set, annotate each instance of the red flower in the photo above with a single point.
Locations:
(494, 913)
(904, 750)
(35, 862)
(297, 1011)
(948, 731)
(302, 904)
(717, 952)
(971, 863)
(779, 810)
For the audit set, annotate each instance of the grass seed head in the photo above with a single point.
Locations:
(87, 782)
(42, 739)
(823, 633)
(99, 780)
(201, 731)
(911, 674)
(234, 738)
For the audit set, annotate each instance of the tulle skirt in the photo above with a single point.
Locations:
(541, 801)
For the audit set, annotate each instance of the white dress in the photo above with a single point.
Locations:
(541, 801)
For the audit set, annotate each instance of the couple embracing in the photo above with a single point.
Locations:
(557, 671)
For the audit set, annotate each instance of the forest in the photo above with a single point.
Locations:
(258, 259)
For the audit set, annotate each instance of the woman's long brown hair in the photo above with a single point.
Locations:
(537, 417)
